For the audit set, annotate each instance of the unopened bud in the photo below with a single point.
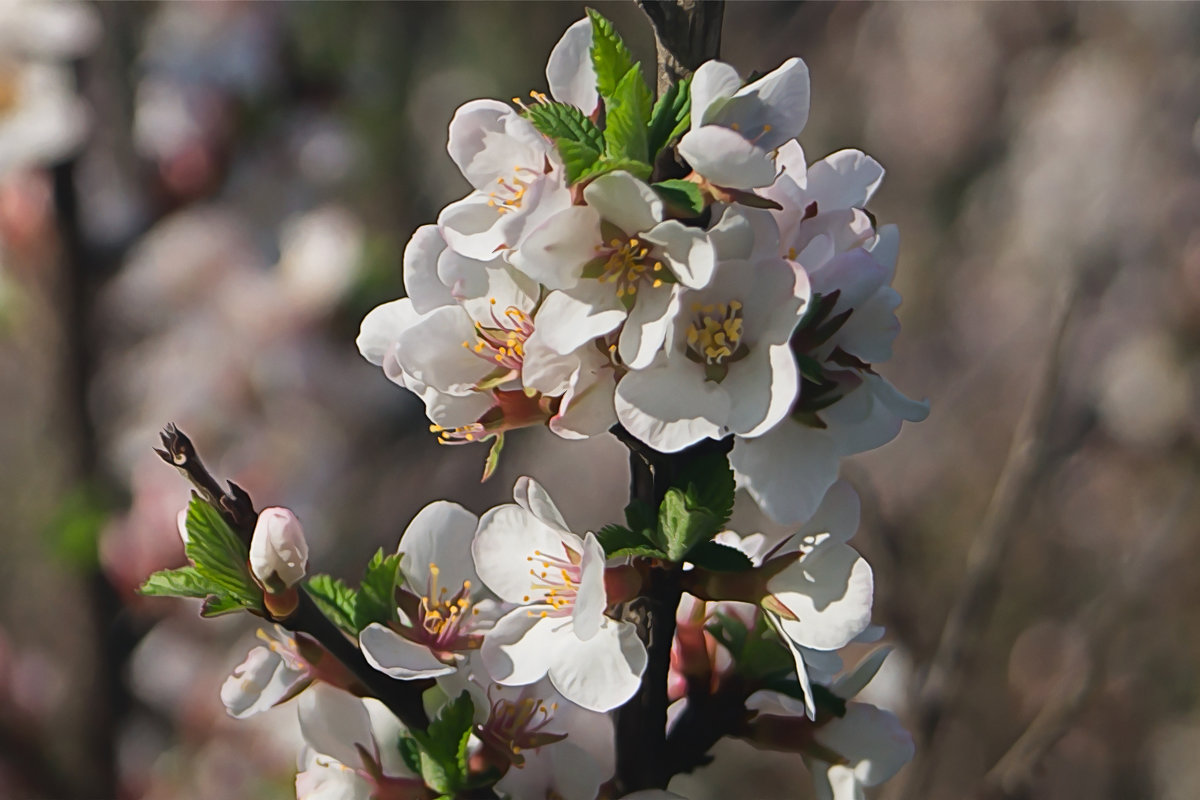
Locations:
(278, 551)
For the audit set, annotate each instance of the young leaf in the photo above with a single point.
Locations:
(410, 752)
(183, 582)
(611, 59)
(443, 746)
(563, 121)
(216, 605)
(614, 538)
(719, 557)
(377, 593)
(640, 516)
(671, 116)
(682, 197)
(493, 458)
(627, 114)
(682, 526)
(638, 169)
(335, 599)
(710, 485)
(577, 158)
(219, 556)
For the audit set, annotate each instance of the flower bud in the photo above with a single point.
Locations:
(278, 551)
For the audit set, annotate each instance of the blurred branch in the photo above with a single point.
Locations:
(1016, 487)
(1012, 775)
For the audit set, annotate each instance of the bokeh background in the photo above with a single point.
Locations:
(199, 202)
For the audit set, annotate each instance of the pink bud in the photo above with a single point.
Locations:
(278, 551)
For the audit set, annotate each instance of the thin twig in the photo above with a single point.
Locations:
(1016, 487)
(403, 698)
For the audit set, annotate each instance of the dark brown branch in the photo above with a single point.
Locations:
(686, 34)
(403, 698)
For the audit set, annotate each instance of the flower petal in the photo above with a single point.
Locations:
(668, 407)
(441, 533)
(569, 71)
(333, 722)
(602, 672)
(788, 472)
(687, 251)
(570, 318)
(712, 83)
(517, 650)
(649, 325)
(726, 159)
(587, 615)
(624, 201)
(397, 657)
(508, 535)
(421, 281)
(532, 496)
(831, 598)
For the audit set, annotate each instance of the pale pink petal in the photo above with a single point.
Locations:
(712, 83)
(440, 534)
(726, 159)
(624, 201)
(397, 657)
(569, 71)
(602, 672)
(421, 282)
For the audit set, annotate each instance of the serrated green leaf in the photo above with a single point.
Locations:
(563, 121)
(641, 551)
(443, 746)
(709, 483)
(219, 555)
(670, 116)
(617, 537)
(376, 600)
(682, 197)
(627, 114)
(682, 527)
(640, 516)
(611, 59)
(637, 169)
(577, 158)
(719, 557)
(183, 582)
(335, 599)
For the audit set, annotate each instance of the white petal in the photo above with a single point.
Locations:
(772, 109)
(845, 179)
(838, 515)
(587, 615)
(571, 318)
(432, 351)
(871, 329)
(587, 409)
(668, 407)
(397, 657)
(382, 326)
(810, 706)
(649, 325)
(761, 403)
(516, 651)
(507, 538)
(624, 201)
(421, 281)
(687, 251)
(602, 672)
(555, 252)
(850, 684)
(569, 71)
(472, 228)
(726, 159)
(533, 497)
(831, 598)
(712, 83)
(788, 472)
(872, 739)
(333, 722)
(441, 533)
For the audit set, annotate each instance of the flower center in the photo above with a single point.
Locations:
(628, 264)
(443, 616)
(556, 579)
(463, 434)
(503, 342)
(714, 338)
(510, 192)
(514, 727)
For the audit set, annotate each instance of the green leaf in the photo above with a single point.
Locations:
(730, 631)
(710, 485)
(216, 605)
(615, 538)
(410, 752)
(493, 458)
(627, 114)
(682, 197)
(219, 556)
(682, 526)
(640, 516)
(577, 158)
(443, 746)
(563, 121)
(611, 59)
(638, 169)
(719, 557)
(335, 599)
(377, 593)
(640, 551)
(183, 582)
(671, 116)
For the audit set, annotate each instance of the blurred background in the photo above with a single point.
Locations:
(199, 202)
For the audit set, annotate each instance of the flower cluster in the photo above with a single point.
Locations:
(677, 270)
(748, 297)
